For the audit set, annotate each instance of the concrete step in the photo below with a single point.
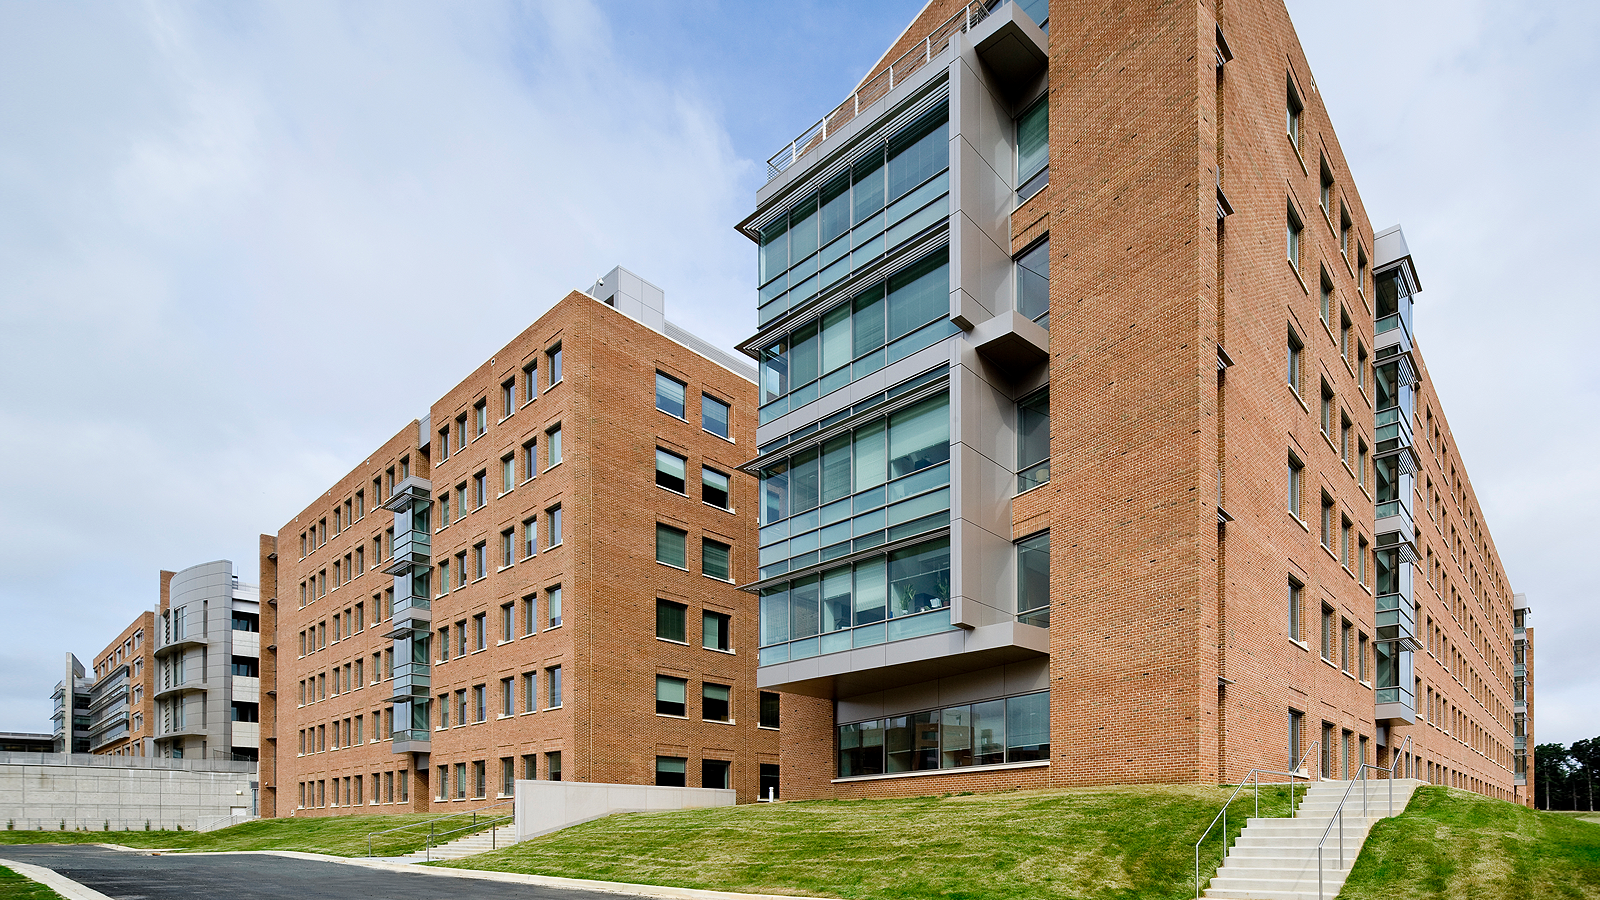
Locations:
(472, 844)
(1331, 882)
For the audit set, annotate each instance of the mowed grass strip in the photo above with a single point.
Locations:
(334, 835)
(1456, 845)
(17, 887)
(1113, 842)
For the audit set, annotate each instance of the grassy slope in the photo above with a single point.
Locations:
(336, 835)
(1117, 842)
(1453, 844)
(16, 887)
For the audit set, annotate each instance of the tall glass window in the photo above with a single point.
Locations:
(1033, 441)
(669, 395)
(897, 190)
(1033, 580)
(884, 480)
(1033, 283)
(1033, 149)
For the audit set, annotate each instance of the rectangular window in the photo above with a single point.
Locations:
(530, 614)
(1294, 108)
(1033, 440)
(715, 631)
(552, 445)
(1345, 431)
(461, 707)
(480, 787)
(1296, 605)
(461, 638)
(671, 546)
(1326, 522)
(770, 707)
(716, 559)
(552, 518)
(1325, 411)
(508, 472)
(671, 696)
(553, 605)
(1296, 479)
(1345, 542)
(444, 711)
(1325, 194)
(671, 621)
(715, 704)
(480, 490)
(530, 692)
(552, 766)
(714, 488)
(1325, 292)
(480, 631)
(1295, 230)
(1033, 580)
(1296, 727)
(508, 776)
(444, 444)
(1327, 632)
(714, 773)
(480, 418)
(1033, 282)
(530, 536)
(530, 381)
(670, 771)
(507, 622)
(553, 365)
(1296, 351)
(1361, 656)
(670, 395)
(480, 702)
(480, 560)
(1346, 648)
(716, 416)
(552, 677)
(671, 471)
(508, 547)
(1033, 149)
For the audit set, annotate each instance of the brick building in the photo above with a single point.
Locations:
(536, 580)
(1091, 428)
(122, 700)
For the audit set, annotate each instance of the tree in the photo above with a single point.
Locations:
(1586, 754)
(1554, 767)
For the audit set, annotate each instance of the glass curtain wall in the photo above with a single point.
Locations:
(990, 732)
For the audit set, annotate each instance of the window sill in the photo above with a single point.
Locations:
(714, 506)
(671, 566)
(1301, 644)
(550, 708)
(672, 415)
(719, 721)
(499, 569)
(478, 579)
(505, 492)
(720, 650)
(715, 578)
(718, 436)
(552, 625)
(529, 479)
(552, 546)
(767, 728)
(999, 767)
(661, 715)
(552, 385)
(1299, 399)
(553, 465)
(672, 491)
(1297, 276)
(671, 641)
(1331, 663)
(1301, 522)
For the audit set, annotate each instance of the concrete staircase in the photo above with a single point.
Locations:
(1276, 859)
(482, 842)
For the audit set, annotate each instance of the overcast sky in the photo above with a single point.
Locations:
(217, 221)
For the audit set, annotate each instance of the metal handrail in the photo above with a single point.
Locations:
(431, 823)
(921, 52)
(1253, 777)
(1338, 814)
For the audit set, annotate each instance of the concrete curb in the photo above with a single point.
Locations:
(658, 892)
(55, 881)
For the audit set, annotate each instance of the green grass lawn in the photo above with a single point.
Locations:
(15, 887)
(1113, 842)
(1455, 845)
(334, 835)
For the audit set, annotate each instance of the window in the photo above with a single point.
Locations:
(508, 776)
(1345, 548)
(1325, 195)
(552, 678)
(672, 621)
(1033, 149)
(669, 771)
(553, 355)
(444, 712)
(1327, 632)
(508, 397)
(507, 622)
(1295, 230)
(480, 418)
(552, 766)
(1326, 522)
(1361, 461)
(530, 381)
(1361, 656)
(1344, 231)
(530, 459)
(479, 779)
(716, 559)
(1325, 411)
(1296, 351)
(671, 471)
(530, 692)
(715, 631)
(553, 606)
(1033, 441)
(1296, 726)
(461, 707)
(671, 546)
(552, 518)
(1326, 304)
(1296, 478)
(714, 773)
(671, 696)
(1295, 108)
(508, 472)
(1344, 438)
(714, 488)
(480, 631)
(508, 547)
(716, 416)
(461, 432)
(770, 707)
(461, 638)
(670, 395)
(461, 501)
(480, 702)
(1033, 580)
(1296, 601)
(552, 445)
(530, 536)
(480, 490)
(714, 703)
(1033, 282)
(989, 732)
(480, 560)
(1345, 327)
(444, 577)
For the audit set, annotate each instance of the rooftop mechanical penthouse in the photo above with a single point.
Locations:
(1087, 442)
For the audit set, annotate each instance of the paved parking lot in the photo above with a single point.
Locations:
(250, 876)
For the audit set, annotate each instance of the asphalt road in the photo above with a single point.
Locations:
(132, 876)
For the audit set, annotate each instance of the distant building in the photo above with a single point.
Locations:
(122, 699)
(207, 653)
(72, 700)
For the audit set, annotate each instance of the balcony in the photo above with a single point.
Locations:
(411, 548)
(411, 681)
(1395, 703)
(410, 740)
(177, 689)
(409, 490)
(175, 645)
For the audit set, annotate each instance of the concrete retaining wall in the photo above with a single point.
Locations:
(546, 806)
(84, 792)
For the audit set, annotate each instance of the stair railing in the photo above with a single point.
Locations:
(1338, 814)
(1253, 778)
(434, 833)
